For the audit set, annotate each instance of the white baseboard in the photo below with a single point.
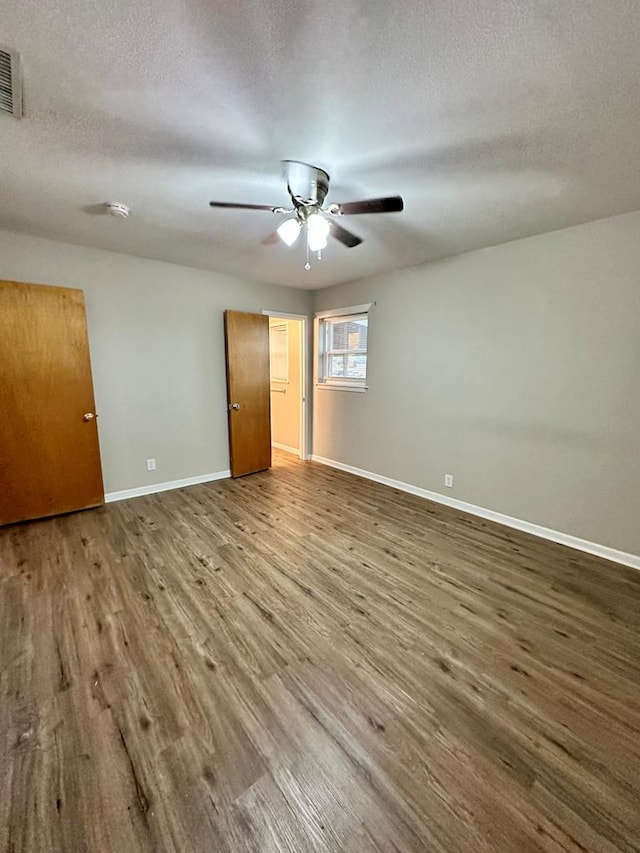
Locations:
(632, 560)
(151, 489)
(288, 449)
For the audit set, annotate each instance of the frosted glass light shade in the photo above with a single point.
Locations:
(317, 232)
(289, 231)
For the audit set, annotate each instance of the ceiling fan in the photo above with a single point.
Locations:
(308, 186)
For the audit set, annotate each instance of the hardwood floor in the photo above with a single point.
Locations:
(305, 661)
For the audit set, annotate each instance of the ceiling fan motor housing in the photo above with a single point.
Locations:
(307, 184)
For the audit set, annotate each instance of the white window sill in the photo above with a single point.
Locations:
(336, 386)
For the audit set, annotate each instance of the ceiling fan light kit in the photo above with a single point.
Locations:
(289, 231)
(317, 232)
(308, 187)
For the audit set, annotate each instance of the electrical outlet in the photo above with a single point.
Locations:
(151, 464)
(448, 480)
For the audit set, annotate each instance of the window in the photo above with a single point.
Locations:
(342, 348)
(279, 352)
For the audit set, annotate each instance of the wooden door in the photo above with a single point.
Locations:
(49, 454)
(248, 394)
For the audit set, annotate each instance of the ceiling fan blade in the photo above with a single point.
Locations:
(345, 237)
(391, 204)
(232, 204)
(271, 239)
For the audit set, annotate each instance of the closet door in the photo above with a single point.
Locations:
(248, 391)
(49, 453)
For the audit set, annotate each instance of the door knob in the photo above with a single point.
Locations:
(88, 416)
(234, 406)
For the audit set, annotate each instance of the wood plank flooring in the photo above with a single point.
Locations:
(305, 661)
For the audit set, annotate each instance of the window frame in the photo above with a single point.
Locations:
(344, 383)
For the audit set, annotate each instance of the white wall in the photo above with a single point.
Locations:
(157, 349)
(517, 369)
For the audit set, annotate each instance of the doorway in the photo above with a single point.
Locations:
(251, 393)
(288, 382)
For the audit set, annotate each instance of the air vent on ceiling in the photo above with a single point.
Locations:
(10, 83)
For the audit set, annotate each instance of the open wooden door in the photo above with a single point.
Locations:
(49, 454)
(248, 395)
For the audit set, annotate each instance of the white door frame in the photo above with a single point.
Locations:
(304, 355)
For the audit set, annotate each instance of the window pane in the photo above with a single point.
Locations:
(336, 365)
(356, 367)
(348, 334)
(343, 355)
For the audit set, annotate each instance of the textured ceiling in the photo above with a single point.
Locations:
(495, 119)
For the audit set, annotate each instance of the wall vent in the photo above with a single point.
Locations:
(10, 82)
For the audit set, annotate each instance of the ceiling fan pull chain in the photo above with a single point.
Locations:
(307, 266)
